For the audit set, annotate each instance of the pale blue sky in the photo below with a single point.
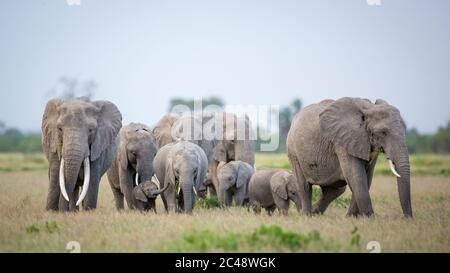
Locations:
(142, 53)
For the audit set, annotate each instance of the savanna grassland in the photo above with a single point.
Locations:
(25, 226)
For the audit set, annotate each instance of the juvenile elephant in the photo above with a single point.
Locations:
(144, 195)
(133, 163)
(273, 188)
(335, 143)
(233, 180)
(80, 140)
(181, 165)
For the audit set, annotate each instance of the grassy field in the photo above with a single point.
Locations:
(26, 227)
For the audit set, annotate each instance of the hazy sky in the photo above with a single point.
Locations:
(142, 53)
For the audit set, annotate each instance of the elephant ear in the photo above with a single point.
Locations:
(279, 187)
(109, 123)
(51, 142)
(245, 172)
(122, 155)
(139, 194)
(343, 123)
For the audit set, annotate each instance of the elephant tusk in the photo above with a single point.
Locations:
(62, 183)
(87, 178)
(195, 191)
(137, 179)
(156, 181)
(391, 164)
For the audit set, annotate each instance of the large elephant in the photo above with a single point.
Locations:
(222, 136)
(80, 140)
(133, 163)
(335, 143)
(233, 180)
(182, 165)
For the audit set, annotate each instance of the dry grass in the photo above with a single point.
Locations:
(26, 227)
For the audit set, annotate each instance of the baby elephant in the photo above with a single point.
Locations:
(144, 195)
(233, 182)
(273, 188)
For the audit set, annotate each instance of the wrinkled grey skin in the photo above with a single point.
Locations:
(135, 155)
(144, 195)
(218, 145)
(237, 144)
(183, 166)
(233, 180)
(335, 143)
(75, 129)
(273, 188)
(284, 189)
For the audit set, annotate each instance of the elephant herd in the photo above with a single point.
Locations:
(189, 155)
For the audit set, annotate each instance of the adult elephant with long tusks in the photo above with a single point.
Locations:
(80, 140)
(133, 163)
(335, 143)
(182, 165)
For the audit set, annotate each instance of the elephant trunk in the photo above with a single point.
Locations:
(74, 152)
(144, 170)
(400, 164)
(188, 197)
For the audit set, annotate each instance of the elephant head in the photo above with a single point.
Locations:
(234, 174)
(78, 131)
(363, 129)
(163, 130)
(145, 195)
(185, 126)
(284, 186)
(137, 150)
(238, 140)
(186, 169)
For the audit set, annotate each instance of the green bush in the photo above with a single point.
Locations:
(209, 202)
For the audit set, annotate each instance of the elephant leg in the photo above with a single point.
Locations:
(228, 198)
(329, 194)
(270, 210)
(171, 199)
(256, 207)
(239, 197)
(53, 191)
(63, 204)
(212, 190)
(215, 180)
(118, 198)
(282, 205)
(356, 177)
(164, 200)
(90, 201)
(353, 209)
(305, 189)
(126, 186)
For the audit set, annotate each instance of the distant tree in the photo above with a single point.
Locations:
(190, 102)
(68, 87)
(286, 115)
